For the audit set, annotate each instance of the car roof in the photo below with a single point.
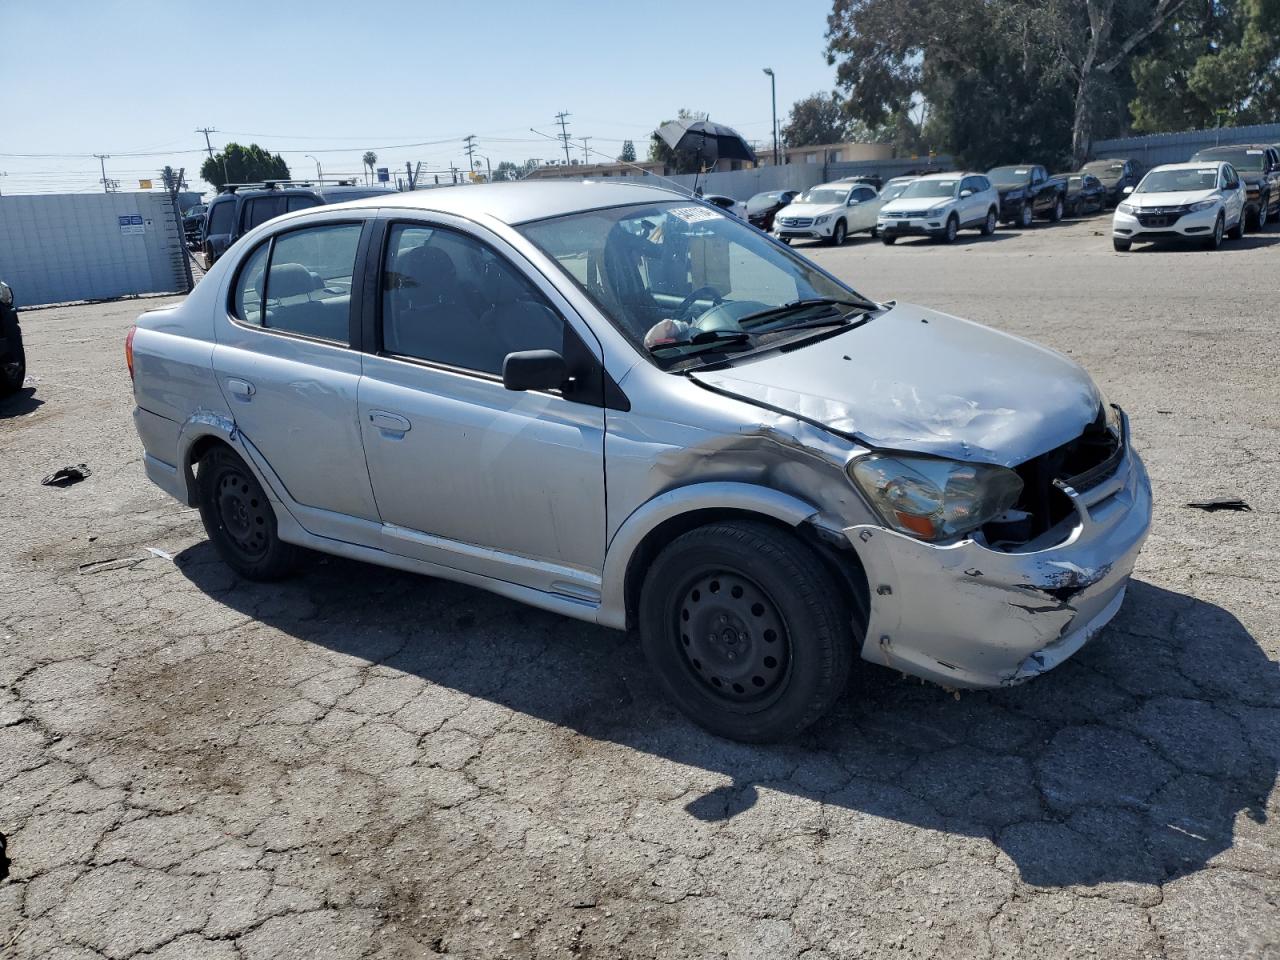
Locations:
(949, 175)
(1188, 165)
(522, 201)
(1234, 148)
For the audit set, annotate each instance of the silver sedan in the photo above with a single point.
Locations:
(620, 404)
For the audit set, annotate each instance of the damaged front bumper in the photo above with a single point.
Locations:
(967, 615)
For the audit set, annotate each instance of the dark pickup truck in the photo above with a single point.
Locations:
(1027, 191)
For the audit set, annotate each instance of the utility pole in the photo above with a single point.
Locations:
(209, 146)
(319, 169)
(564, 133)
(586, 153)
(102, 161)
(470, 141)
(773, 87)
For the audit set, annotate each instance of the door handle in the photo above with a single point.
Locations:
(241, 389)
(389, 422)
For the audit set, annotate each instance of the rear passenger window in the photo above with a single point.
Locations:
(308, 282)
(248, 298)
(450, 299)
(302, 203)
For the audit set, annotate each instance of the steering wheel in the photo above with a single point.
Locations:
(716, 300)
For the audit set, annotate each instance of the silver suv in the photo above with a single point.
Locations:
(622, 405)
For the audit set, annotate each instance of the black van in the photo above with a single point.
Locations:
(242, 206)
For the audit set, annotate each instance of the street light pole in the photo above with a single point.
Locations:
(319, 172)
(773, 88)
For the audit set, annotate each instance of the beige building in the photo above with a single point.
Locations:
(576, 171)
(830, 153)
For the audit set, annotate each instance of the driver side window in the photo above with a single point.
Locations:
(448, 298)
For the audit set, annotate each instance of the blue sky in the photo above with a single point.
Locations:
(78, 78)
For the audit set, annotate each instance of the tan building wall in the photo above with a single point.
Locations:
(576, 171)
(831, 153)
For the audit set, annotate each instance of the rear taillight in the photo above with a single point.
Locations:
(128, 348)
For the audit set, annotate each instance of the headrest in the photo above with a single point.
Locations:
(292, 280)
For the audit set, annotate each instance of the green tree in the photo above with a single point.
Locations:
(675, 161)
(1218, 64)
(628, 154)
(818, 118)
(240, 164)
(1049, 75)
(506, 170)
(369, 159)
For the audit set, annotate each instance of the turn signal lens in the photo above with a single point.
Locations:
(128, 349)
(935, 499)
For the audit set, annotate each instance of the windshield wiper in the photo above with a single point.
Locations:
(804, 304)
(703, 338)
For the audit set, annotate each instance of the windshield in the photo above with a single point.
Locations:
(1105, 168)
(1244, 159)
(893, 191)
(1179, 181)
(1009, 176)
(684, 270)
(763, 201)
(826, 195)
(930, 188)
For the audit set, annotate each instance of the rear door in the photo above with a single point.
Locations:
(862, 215)
(496, 482)
(286, 365)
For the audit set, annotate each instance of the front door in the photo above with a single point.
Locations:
(285, 365)
(467, 473)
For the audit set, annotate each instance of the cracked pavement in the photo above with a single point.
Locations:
(361, 763)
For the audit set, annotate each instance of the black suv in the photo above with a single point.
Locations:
(13, 359)
(242, 206)
(1259, 169)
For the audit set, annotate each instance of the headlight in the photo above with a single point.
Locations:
(934, 499)
(6, 294)
(1125, 208)
(822, 219)
(1202, 205)
(1111, 415)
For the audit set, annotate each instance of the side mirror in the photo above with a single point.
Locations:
(854, 203)
(966, 194)
(1128, 190)
(534, 370)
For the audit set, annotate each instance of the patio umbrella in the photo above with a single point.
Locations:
(710, 141)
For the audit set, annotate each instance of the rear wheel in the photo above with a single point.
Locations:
(239, 518)
(746, 630)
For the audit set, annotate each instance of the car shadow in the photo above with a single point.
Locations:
(19, 403)
(1250, 241)
(966, 239)
(1129, 763)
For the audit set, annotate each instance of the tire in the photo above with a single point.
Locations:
(949, 232)
(1263, 209)
(1121, 246)
(875, 232)
(786, 240)
(887, 240)
(239, 519)
(1214, 240)
(989, 225)
(839, 233)
(13, 365)
(1026, 216)
(1058, 211)
(716, 585)
(1237, 232)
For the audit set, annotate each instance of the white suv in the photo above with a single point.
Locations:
(939, 206)
(1182, 201)
(830, 212)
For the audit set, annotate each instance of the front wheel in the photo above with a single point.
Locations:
(1026, 216)
(949, 232)
(746, 630)
(888, 240)
(13, 365)
(1056, 214)
(239, 519)
(989, 225)
(1237, 232)
(1214, 240)
(1121, 246)
(838, 234)
(786, 240)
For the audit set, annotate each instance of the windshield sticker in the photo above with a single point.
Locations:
(693, 214)
(1022, 170)
(1254, 153)
(1211, 171)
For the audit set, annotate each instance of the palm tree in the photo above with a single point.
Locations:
(370, 158)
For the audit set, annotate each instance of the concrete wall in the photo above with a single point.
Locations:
(1161, 148)
(60, 247)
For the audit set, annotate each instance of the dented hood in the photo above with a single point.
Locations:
(913, 379)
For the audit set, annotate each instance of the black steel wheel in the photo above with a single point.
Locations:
(239, 519)
(747, 630)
